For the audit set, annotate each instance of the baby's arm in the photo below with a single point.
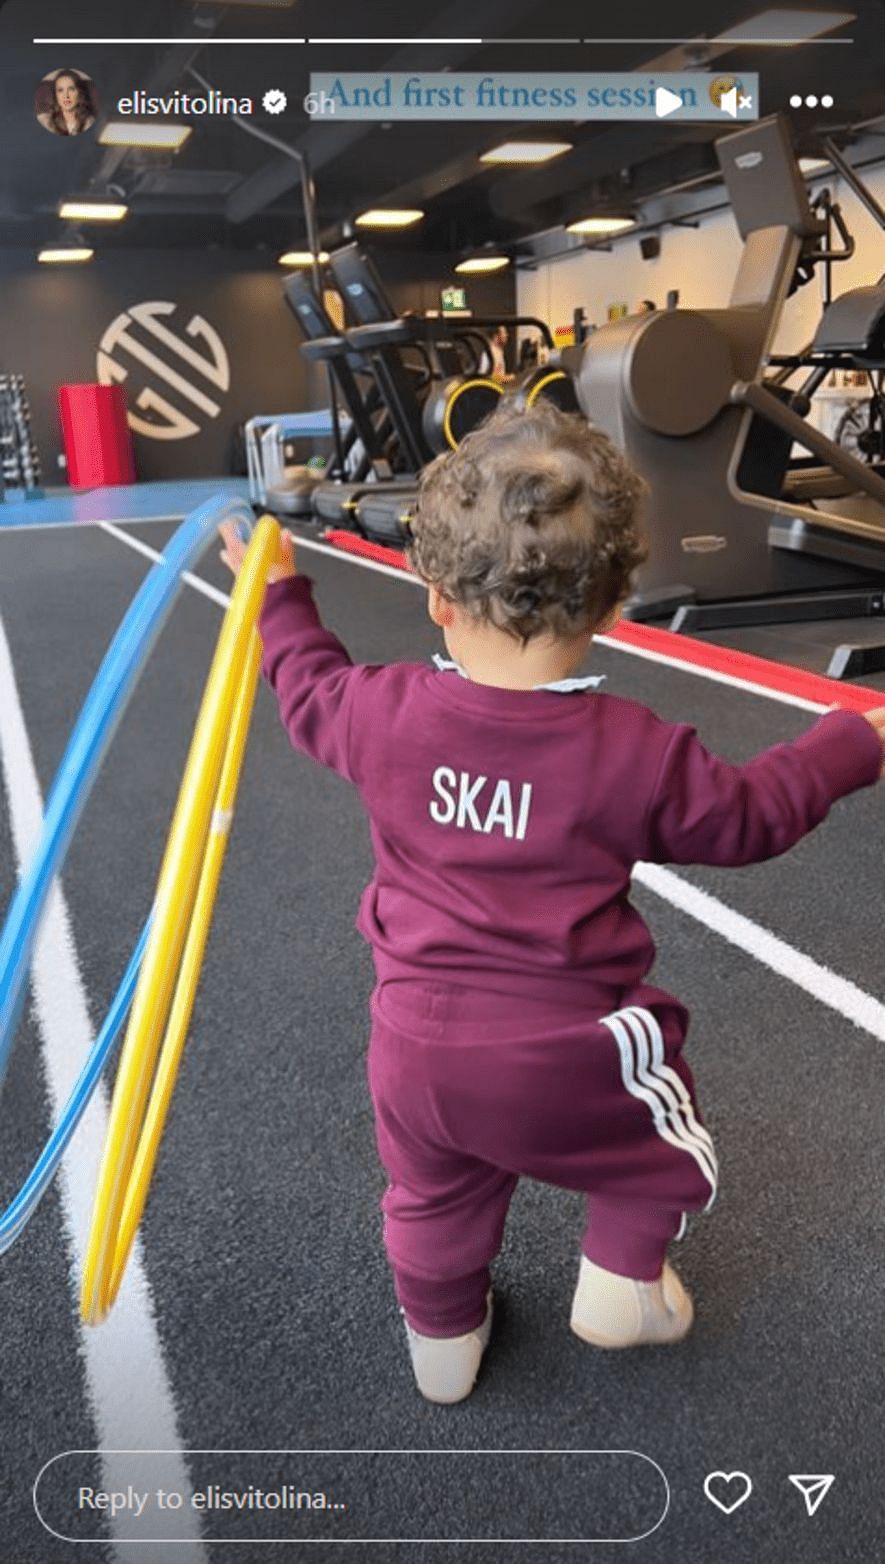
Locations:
(306, 666)
(706, 811)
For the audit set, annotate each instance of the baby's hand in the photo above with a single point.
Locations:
(234, 552)
(876, 718)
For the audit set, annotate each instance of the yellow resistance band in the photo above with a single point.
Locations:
(184, 900)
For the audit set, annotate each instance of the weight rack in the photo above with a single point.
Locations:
(19, 460)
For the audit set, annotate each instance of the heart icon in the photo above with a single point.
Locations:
(734, 1488)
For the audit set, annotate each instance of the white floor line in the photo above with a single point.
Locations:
(126, 1378)
(151, 553)
(836, 992)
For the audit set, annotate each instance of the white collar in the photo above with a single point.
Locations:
(562, 686)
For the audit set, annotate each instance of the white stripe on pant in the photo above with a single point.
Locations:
(651, 1080)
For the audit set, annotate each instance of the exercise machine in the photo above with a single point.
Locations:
(739, 534)
(428, 371)
(371, 453)
(365, 446)
(451, 394)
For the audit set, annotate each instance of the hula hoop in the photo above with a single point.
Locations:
(111, 691)
(185, 897)
(102, 711)
(20, 1210)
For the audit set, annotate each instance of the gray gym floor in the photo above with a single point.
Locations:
(264, 1277)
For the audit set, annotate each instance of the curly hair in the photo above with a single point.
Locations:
(531, 524)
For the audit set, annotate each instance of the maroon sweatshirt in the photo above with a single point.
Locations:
(506, 823)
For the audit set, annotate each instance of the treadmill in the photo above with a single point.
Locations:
(371, 455)
(456, 397)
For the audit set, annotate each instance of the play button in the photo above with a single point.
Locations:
(666, 102)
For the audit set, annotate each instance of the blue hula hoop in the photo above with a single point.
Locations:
(20, 1210)
(99, 718)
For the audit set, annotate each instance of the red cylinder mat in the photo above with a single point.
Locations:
(98, 445)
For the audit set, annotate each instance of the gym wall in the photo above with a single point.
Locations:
(701, 263)
(201, 340)
(415, 282)
(226, 349)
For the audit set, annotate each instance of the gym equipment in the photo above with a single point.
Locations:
(102, 711)
(366, 447)
(289, 489)
(457, 406)
(737, 537)
(183, 909)
(455, 400)
(371, 455)
(19, 461)
(428, 373)
(388, 462)
(861, 430)
(550, 382)
(378, 337)
(96, 434)
(383, 516)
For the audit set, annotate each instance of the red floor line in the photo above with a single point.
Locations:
(743, 666)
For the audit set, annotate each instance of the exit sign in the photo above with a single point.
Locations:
(454, 301)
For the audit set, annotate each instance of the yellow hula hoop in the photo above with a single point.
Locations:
(170, 971)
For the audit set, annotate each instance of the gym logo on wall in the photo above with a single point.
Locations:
(179, 396)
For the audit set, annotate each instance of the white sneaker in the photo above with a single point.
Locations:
(446, 1366)
(616, 1311)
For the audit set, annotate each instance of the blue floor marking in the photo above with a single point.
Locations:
(128, 502)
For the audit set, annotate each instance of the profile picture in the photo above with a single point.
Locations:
(65, 102)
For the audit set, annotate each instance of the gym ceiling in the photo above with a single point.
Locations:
(224, 188)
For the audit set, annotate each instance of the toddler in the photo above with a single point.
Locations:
(514, 1031)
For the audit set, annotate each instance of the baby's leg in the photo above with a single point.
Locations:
(629, 1237)
(443, 1224)
(627, 1295)
(444, 1213)
(444, 1209)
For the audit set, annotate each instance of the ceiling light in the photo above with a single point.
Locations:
(93, 211)
(601, 225)
(785, 26)
(389, 217)
(813, 165)
(483, 263)
(66, 253)
(526, 151)
(302, 258)
(118, 133)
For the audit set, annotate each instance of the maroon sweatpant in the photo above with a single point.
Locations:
(473, 1089)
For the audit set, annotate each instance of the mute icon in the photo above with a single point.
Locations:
(728, 102)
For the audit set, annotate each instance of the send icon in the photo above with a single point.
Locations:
(813, 1490)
